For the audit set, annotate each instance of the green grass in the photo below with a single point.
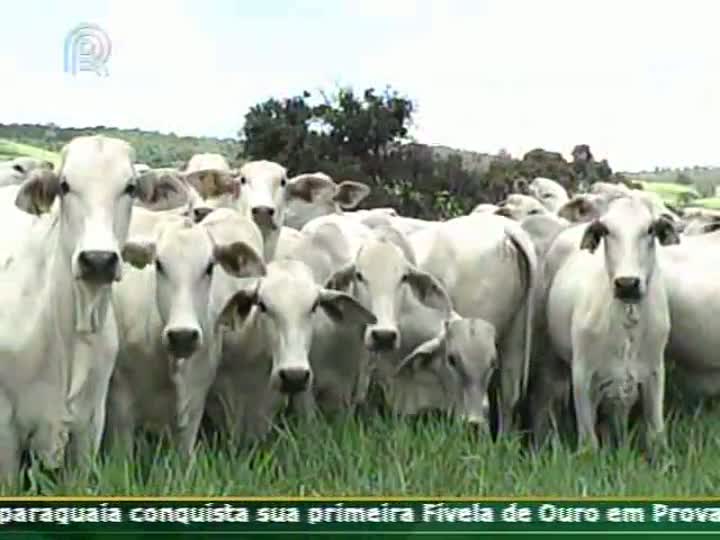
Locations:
(671, 193)
(384, 457)
(710, 202)
(11, 149)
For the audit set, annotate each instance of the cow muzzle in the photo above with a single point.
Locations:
(264, 216)
(382, 339)
(293, 380)
(182, 342)
(628, 289)
(98, 266)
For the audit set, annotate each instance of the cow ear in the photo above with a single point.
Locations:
(238, 307)
(349, 194)
(592, 236)
(240, 260)
(161, 190)
(428, 290)
(311, 187)
(426, 356)
(342, 278)
(344, 309)
(139, 253)
(664, 230)
(37, 193)
(213, 183)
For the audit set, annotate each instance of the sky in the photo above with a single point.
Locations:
(637, 80)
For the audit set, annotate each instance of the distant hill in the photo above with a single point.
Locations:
(154, 148)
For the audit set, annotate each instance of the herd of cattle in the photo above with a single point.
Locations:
(158, 300)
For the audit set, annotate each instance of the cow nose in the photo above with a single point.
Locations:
(98, 265)
(383, 338)
(293, 380)
(182, 342)
(627, 288)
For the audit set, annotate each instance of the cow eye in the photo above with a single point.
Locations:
(404, 279)
(64, 187)
(159, 267)
(243, 180)
(534, 212)
(130, 190)
(283, 182)
(314, 306)
(261, 306)
(453, 361)
(209, 269)
(359, 276)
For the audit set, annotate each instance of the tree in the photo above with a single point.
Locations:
(684, 179)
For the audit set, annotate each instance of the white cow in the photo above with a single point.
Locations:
(412, 300)
(517, 207)
(266, 355)
(265, 194)
(16, 171)
(345, 196)
(489, 275)
(549, 192)
(338, 357)
(607, 318)
(484, 207)
(56, 367)
(169, 344)
(692, 272)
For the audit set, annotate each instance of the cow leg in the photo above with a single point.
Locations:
(584, 408)
(653, 396)
(541, 398)
(120, 425)
(512, 370)
(186, 435)
(10, 449)
(50, 442)
(303, 404)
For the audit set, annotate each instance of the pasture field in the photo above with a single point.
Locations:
(11, 149)
(383, 457)
(671, 193)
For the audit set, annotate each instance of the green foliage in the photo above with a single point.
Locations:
(684, 179)
(155, 149)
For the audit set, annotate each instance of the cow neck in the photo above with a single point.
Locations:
(87, 304)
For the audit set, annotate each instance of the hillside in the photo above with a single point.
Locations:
(12, 149)
(155, 149)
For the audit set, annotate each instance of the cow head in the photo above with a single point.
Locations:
(314, 195)
(284, 303)
(452, 371)
(382, 273)
(185, 257)
(629, 232)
